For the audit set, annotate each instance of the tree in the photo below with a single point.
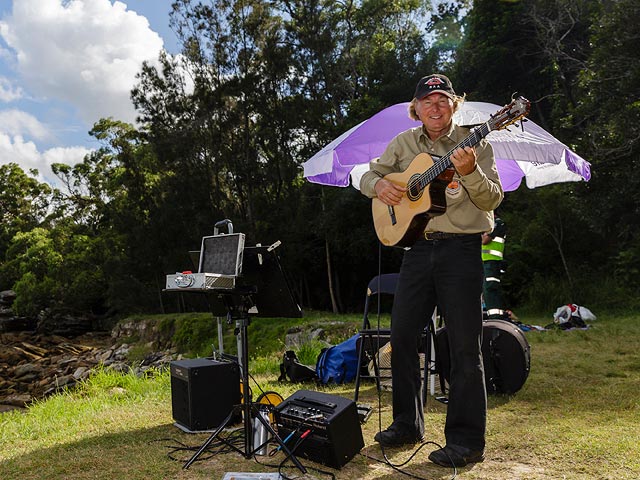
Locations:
(608, 111)
(24, 205)
(57, 272)
(351, 59)
(272, 83)
(113, 198)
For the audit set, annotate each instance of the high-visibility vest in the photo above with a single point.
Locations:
(494, 250)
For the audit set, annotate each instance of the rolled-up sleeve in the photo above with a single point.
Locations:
(483, 184)
(381, 166)
(368, 181)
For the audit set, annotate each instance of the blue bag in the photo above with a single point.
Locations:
(338, 364)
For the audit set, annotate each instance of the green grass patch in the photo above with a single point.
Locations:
(576, 418)
(308, 353)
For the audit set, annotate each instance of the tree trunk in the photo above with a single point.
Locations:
(334, 303)
(327, 251)
(161, 301)
(557, 238)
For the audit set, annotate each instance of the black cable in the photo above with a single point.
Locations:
(302, 424)
(386, 460)
(395, 467)
(299, 442)
(293, 449)
(218, 447)
(377, 352)
(317, 470)
(285, 440)
(256, 383)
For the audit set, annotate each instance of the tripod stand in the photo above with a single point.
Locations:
(238, 303)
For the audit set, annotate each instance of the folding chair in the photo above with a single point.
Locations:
(373, 338)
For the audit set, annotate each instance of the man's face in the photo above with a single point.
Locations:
(435, 112)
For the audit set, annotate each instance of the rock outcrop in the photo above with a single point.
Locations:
(33, 366)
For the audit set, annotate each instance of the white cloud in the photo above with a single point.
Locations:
(17, 122)
(86, 52)
(14, 149)
(8, 92)
(68, 155)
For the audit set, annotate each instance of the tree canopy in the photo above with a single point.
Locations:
(260, 86)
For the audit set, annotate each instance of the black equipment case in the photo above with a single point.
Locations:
(506, 356)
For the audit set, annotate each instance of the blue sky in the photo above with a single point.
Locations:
(64, 64)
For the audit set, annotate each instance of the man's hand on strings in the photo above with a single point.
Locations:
(388, 192)
(464, 160)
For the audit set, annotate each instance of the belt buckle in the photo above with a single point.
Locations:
(433, 236)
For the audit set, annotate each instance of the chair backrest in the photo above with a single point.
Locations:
(385, 283)
(380, 284)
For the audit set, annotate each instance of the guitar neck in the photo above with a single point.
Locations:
(444, 162)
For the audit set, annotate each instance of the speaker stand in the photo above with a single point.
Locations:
(238, 303)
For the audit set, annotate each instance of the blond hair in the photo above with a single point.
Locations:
(457, 102)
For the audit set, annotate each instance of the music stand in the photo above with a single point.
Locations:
(262, 290)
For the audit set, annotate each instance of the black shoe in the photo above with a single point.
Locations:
(456, 456)
(395, 437)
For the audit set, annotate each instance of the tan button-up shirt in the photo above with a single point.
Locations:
(470, 199)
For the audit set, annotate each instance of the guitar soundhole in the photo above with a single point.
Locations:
(414, 192)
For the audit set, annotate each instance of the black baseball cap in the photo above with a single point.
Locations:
(435, 83)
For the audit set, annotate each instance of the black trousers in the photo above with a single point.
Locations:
(447, 274)
(492, 289)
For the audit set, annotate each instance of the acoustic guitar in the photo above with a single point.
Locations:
(426, 179)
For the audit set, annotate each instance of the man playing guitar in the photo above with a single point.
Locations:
(443, 269)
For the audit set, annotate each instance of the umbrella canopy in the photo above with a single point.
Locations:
(532, 153)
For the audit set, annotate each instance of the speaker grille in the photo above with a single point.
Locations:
(203, 392)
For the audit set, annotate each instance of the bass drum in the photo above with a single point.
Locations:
(506, 356)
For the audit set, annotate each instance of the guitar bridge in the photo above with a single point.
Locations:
(392, 214)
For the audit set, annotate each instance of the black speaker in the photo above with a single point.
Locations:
(203, 392)
(326, 427)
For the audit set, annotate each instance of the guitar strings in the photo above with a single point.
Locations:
(440, 165)
(496, 121)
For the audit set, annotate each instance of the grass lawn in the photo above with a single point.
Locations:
(577, 417)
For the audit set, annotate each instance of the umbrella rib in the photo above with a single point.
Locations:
(346, 159)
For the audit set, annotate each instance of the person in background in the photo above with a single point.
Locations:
(493, 244)
(444, 269)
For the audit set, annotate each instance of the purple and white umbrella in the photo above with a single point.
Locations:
(533, 154)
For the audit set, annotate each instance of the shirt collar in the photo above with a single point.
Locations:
(422, 134)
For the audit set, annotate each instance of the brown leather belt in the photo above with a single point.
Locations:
(443, 235)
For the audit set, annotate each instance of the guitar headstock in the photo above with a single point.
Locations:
(510, 114)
